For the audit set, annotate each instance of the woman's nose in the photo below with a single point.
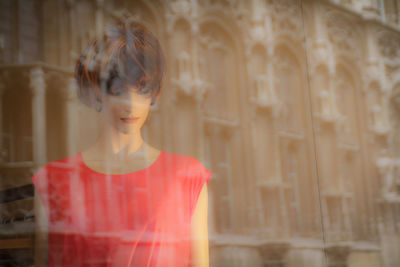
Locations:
(133, 100)
(128, 106)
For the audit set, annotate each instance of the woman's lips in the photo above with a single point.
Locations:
(130, 120)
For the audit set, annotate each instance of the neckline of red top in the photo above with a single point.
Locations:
(87, 168)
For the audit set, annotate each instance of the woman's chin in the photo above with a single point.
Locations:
(125, 128)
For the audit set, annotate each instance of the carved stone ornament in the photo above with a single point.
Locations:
(343, 32)
(212, 41)
(266, 97)
(328, 113)
(186, 81)
(195, 88)
(392, 69)
(258, 32)
(321, 54)
(125, 15)
(287, 18)
(379, 122)
(389, 46)
(389, 172)
(181, 6)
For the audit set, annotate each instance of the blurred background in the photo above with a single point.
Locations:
(294, 105)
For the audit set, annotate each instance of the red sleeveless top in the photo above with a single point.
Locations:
(137, 219)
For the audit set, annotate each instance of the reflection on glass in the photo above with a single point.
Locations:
(121, 201)
(294, 106)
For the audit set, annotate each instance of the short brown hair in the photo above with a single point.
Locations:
(127, 54)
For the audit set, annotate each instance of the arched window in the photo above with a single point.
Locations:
(323, 100)
(258, 74)
(346, 103)
(288, 85)
(220, 70)
(181, 51)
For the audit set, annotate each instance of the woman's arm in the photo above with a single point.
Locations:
(199, 231)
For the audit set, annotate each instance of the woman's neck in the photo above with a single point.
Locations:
(119, 155)
(113, 145)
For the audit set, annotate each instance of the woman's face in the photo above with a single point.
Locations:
(126, 110)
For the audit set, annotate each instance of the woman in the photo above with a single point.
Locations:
(123, 202)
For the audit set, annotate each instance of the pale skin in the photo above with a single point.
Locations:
(121, 149)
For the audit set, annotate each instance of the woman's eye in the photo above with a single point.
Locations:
(116, 91)
(116, 87)
(142, 92)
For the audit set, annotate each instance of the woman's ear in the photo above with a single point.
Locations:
(98, 105)
(154, 99)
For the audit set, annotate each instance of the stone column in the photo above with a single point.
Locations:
(71, 116)
(38, 88)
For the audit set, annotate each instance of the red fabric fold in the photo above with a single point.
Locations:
(137, 219)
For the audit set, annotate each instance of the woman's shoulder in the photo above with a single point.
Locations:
(191, 166)
(184, 159)
(58, 165)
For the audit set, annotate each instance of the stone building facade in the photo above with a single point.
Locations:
(294, 105)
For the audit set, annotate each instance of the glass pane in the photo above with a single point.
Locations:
(352, 89)
(286, 109)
